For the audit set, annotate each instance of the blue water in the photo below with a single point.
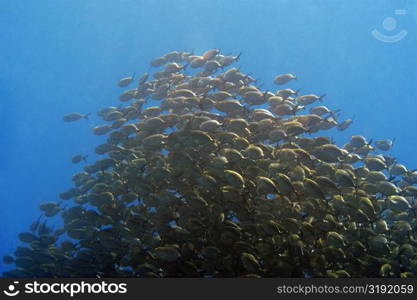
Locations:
(62, 56)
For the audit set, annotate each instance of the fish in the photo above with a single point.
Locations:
(43, 229)
(229, 59)
(344, 125)
(210, 54)
(384, 145)
(309, 99)
(101, 130)
(322, 110)
(75, 117)
(78, 158)
(126, 81)
(158, 61)
(284, 78)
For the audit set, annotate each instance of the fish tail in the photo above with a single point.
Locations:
(321, 97)
(295, 109)
(335, 113)
(86, 116)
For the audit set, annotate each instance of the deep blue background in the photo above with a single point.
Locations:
(59, 56)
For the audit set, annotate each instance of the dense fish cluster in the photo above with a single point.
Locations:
(206, 175)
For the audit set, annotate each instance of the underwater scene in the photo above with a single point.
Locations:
(211, 139)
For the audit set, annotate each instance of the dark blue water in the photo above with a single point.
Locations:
(62, 56)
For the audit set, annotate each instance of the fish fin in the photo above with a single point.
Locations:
(34, 226)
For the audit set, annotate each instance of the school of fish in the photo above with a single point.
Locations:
(204, 174)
